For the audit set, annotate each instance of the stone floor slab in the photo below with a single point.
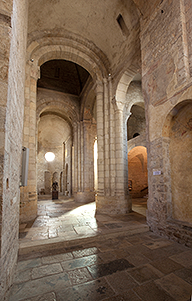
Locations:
(137, 259)
(125, 296)
(166, 266)
(46, 297)
(176, 287)
(185, 258)
(39, 286)
(109, 268)
(46, 270)
(80, 262)
(57, 258)
(151, 292)
(96, 290)
(22, 276)
(78, 276)
(27, 264)
(121, 282)
(157, 244)
(185, 274)
(117, 241)
(145, 273)
(85, 252)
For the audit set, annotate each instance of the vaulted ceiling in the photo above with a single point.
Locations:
(63, 76)
(112, 26)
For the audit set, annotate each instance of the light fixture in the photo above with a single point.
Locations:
(49, 156)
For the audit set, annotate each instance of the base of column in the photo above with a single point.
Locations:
(84, 196)
(28, 205)
(113, 205)
(28, 211)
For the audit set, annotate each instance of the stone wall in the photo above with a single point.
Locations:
(13, 30)
(166, 82)
(181, 163)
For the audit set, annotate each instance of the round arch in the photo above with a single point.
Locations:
(138, 176)
(177, 133)
(78, 51)
(58, 107)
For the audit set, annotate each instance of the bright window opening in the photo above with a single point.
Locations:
(49, 156)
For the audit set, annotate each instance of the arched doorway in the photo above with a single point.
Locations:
(179, 130)
(137, 167)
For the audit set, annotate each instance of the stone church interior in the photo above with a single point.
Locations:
(96, 150)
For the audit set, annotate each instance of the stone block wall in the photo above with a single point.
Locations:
(13, 30)
(166, 82)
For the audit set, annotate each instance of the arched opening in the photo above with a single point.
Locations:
(65, 107)
(136, 124)
(179, 130)
(52, 131)
(137, 166)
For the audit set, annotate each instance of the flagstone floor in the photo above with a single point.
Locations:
(68, 254)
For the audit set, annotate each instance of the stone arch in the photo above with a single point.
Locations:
(79, 51)
(137, 165)
(88, 102)
(59, 109)
(134, 95)
(177, 133)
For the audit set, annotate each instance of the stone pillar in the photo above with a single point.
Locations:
(100, 141)
(112, 165)
(75, 156)
(28, 202)
(112, 194)
(85, 192)
(121, 161)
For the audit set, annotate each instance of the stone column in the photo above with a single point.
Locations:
(112, 165)
(28, 202)
(89, 136)
(112, 194)
(121, 188)
(100, 141)
(75, 156)
(106, 138)
(85, 166)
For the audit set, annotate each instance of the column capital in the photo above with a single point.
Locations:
(117, 104)
(34, 70)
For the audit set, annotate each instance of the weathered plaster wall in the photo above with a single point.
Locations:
(13, 30)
